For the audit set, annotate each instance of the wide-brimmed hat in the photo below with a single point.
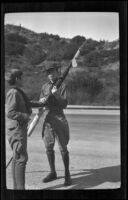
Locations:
(50, 65)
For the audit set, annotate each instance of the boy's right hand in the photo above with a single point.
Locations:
(42, 100)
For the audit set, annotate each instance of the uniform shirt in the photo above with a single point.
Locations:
(16, 107)
(57, 102)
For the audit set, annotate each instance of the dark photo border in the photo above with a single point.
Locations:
(71, 6)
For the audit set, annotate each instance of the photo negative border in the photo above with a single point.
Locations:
(71, 6)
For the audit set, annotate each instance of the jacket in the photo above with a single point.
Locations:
(57, 102)
(18, 110)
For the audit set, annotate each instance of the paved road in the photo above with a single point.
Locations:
(94, 154)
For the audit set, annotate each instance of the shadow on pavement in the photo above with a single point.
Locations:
(92, 177)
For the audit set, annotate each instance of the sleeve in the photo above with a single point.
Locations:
(61, 97)
(35, 104)
(12, 104)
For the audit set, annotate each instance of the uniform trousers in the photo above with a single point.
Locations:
(56, 126)
(18, 141)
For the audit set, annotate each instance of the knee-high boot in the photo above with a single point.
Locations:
(52, 175)
(65, 157)
(20, 176)
(13, 175)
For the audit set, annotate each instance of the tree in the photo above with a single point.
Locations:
(78, 40)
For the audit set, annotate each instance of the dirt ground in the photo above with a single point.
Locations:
(94, 154)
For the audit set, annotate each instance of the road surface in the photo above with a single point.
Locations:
(94, 153)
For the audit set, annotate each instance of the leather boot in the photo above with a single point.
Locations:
(52, 175)
(20, 176)
(13, 175)
(65, 157)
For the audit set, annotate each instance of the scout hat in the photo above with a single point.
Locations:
(49, 65)
(11, 76)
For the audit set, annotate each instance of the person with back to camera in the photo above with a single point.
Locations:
(55, 123)
(18, 111)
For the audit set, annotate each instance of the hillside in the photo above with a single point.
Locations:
(94, 82)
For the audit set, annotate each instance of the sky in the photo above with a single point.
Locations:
(95, 25)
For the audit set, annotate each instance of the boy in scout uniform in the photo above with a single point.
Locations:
(18, 113)
(55, 123)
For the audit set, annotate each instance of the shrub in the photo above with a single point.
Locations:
(34, 54)
(89, 46)
(14, 48)
(15, 37)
